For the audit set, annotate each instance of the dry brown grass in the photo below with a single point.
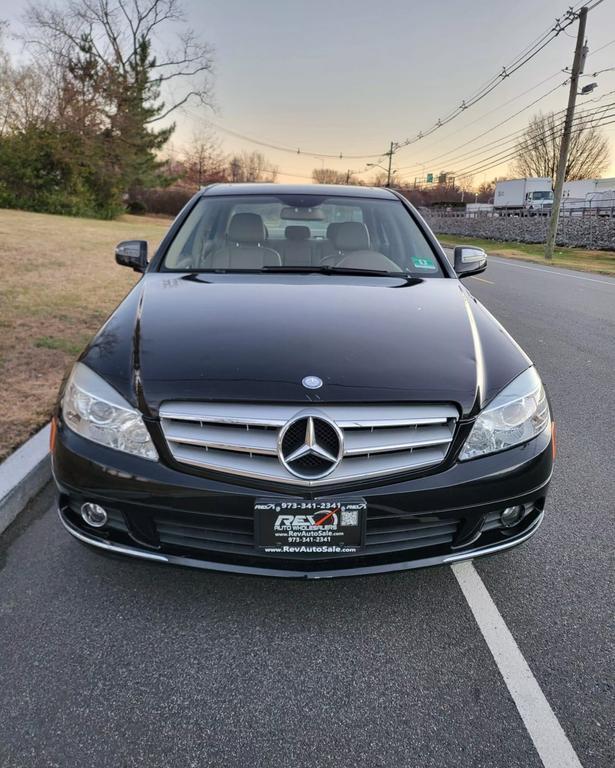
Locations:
(59, 282)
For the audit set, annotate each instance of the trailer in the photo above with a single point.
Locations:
(478, 209)
(584, 187)
(584, 195)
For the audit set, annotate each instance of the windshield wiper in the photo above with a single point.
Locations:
(331, 270)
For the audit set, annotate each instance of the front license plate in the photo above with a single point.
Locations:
(320, 527)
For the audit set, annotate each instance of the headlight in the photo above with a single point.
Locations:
(95, 410)
(519, 413)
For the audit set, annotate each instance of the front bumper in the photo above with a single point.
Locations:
(163, 514)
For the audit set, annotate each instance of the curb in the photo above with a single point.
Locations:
(23, 475)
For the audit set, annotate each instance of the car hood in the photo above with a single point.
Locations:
(255, 337)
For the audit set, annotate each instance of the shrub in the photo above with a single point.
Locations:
(167, 200)
(136, 207)
(52, 171)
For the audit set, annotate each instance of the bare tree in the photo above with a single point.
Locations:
(113, 77)
(114, 31)
(251, 167)
(25, 92)
(379, 179)
(329, 176)
(537, 152)
(203, 161)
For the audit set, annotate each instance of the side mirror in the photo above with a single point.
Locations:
(132, 253)
(469, 260)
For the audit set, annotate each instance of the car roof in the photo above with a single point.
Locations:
(333, 190)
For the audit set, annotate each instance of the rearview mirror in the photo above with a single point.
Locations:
(304, 213)
(469, 260)
(132, 253)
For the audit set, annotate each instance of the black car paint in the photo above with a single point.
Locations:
(253, 337)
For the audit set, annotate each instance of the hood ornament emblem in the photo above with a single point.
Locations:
(310, 446)
(312, 382)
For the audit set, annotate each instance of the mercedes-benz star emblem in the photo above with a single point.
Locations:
(310, 446)
(312, 382)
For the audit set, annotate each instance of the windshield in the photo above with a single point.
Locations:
(296, 232)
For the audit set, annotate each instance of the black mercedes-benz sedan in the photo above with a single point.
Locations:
(300, 385)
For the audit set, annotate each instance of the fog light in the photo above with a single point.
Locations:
(93, 514)
(511, 516)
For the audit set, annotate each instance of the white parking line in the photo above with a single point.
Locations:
(544, 729)
(552, 271)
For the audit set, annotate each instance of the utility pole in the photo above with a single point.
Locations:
(393, 147)
(577, 69)
(390, 154)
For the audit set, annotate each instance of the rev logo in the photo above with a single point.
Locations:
(326, 519)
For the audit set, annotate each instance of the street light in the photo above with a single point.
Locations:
(587, 89)
(388, 171)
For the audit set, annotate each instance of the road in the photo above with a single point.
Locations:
(114, 662)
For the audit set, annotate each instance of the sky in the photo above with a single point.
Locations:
(350, 76)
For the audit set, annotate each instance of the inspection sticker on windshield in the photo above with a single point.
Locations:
(303, 527)
(423, 263)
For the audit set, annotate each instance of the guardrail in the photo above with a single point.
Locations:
(606, 209)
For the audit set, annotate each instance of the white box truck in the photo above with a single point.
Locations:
(523, 194)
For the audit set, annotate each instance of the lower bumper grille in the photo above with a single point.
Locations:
(224, 539)
(387, 531)
(233, 534)
(390, 532)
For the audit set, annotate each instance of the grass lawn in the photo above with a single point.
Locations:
(602, 262)
(59, 283)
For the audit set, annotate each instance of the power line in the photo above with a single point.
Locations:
(582, 121)
(499, 107)
(295, 151)
(511, 137)
(489, 130)
(499, 160)
(602, 47)
(510, 117)
(591, 7)
(484, 169)
(528, 54)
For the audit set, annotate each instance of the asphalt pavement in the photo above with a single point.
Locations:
(126, 663)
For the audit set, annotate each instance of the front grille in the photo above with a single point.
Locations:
(242, 439)
(387, 531)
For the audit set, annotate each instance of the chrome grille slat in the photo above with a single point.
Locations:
(226, 438)
(358, 441)
(242, 439)
(345, 416)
